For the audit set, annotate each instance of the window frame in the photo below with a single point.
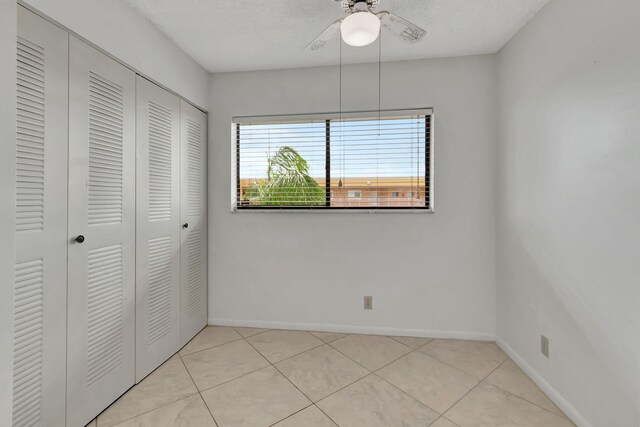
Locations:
(427, 112)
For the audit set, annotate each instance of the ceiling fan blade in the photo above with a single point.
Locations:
(319, 42)
(401, 28)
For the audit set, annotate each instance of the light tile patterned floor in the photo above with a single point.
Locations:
(229, 377)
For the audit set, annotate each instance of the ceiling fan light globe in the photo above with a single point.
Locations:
(360, 29)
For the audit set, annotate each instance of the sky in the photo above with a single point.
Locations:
(359, 149)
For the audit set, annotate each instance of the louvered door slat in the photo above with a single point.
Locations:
(27, 369)
(31, 137)
(105, 151)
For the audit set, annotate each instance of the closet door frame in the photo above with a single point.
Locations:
(101, 282)
(193, 130)
(158, 226)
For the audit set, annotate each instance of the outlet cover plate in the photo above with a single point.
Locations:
(544, 346)
(368, 303)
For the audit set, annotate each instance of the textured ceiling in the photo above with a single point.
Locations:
(239, 35)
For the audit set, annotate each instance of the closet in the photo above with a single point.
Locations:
(110, 275)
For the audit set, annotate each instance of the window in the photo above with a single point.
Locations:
(334, 161)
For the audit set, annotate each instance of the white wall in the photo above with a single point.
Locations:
(569, 204)
(8, 89)
(429, 274)
(117, 28)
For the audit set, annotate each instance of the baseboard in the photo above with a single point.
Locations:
(551, 392)
(352, 329)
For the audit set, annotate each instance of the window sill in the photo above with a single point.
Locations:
(333, 211)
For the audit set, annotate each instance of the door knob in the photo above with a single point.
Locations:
(185, 225)
(80, 239)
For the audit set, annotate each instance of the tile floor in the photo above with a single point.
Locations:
(257, 377)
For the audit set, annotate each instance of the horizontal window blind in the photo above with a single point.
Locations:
(349, 161)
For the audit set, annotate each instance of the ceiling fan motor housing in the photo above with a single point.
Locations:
(351, 6)
(361, 26)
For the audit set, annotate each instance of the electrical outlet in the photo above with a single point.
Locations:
(368, 303)
(544, 345)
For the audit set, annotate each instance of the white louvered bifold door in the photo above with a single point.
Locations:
(158, 227)
(101, 319)
(40, 302)
(193, 140)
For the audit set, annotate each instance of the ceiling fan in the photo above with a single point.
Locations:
(361, 26)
